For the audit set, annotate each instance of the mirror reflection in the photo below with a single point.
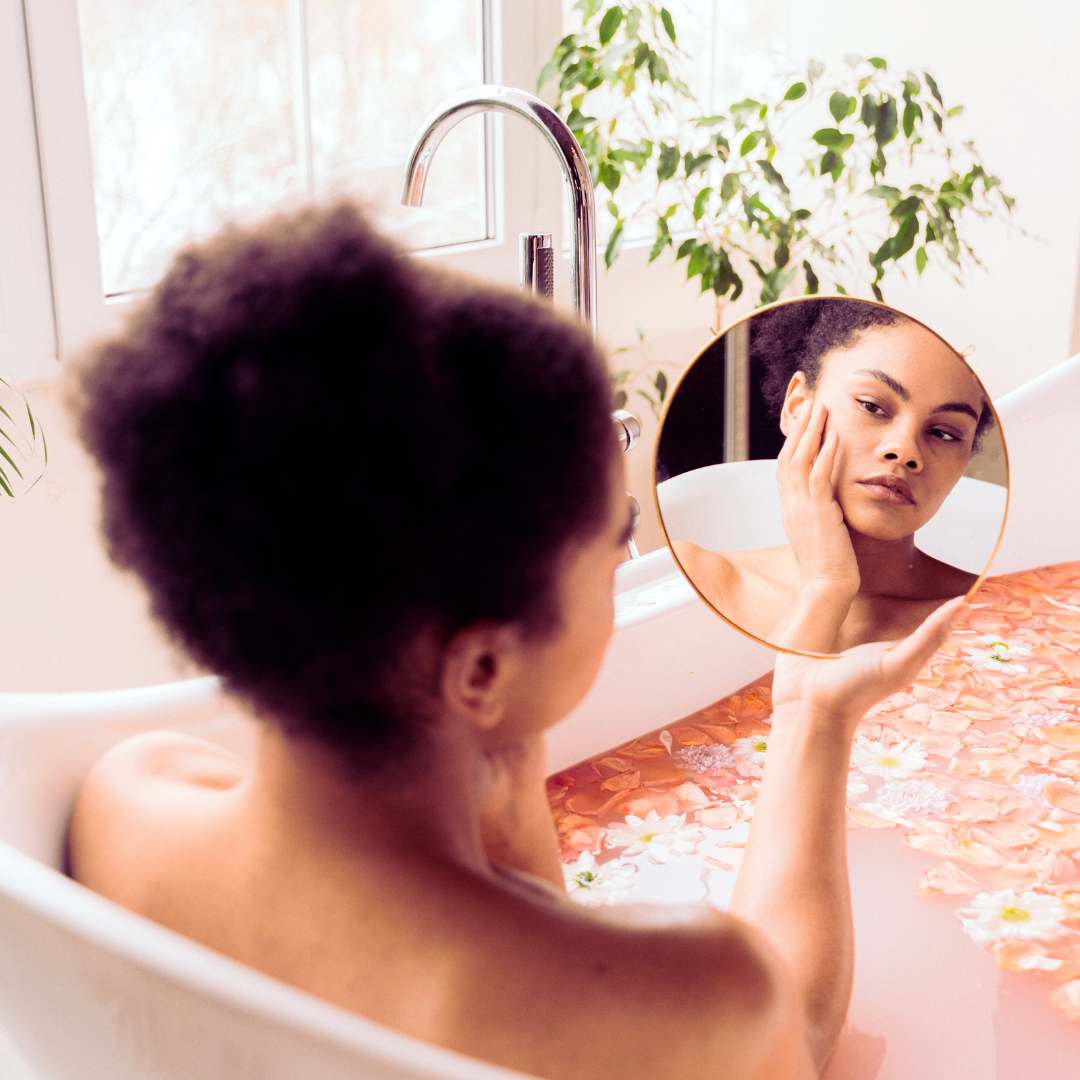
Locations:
(828, 472)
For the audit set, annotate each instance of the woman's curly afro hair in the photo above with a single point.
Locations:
(314, 448)
(796, 336)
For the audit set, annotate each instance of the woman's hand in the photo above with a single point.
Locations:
(812, 517)
(844, 688)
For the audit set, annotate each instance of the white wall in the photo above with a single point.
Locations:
(1016, 68)
(72, 622)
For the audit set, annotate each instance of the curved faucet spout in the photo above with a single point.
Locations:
(560, 138)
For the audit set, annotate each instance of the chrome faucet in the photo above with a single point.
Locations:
(560, 138)
(536, 259)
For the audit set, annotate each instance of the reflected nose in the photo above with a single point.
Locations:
(902, 447)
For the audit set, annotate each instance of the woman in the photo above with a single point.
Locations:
(387, 507)
(881, 419)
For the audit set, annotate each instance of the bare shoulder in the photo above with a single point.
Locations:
(138, 801)
(656, 992)
(947, 581)
(717, 574)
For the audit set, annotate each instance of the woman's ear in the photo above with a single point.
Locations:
(798, 394)
(479, 667)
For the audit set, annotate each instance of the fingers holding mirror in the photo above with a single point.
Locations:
(828, 472)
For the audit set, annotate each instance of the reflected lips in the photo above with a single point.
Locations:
(890, 489)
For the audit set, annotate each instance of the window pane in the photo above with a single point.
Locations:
(206, 111)
(377, 70)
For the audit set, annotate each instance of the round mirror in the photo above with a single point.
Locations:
(828, 471)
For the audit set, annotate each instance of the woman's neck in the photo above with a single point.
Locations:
(889, 568)
(468, 800)
(302, 795)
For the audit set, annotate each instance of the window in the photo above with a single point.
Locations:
(205, 111)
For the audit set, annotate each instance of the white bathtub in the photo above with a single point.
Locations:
(89, 991)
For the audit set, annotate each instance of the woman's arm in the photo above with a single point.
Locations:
(793, 883)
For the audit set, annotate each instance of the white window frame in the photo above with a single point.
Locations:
(525, 198)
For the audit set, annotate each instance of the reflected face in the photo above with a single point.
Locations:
(906, 409)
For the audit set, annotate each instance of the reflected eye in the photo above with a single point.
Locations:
(872, 407)
(945, 436)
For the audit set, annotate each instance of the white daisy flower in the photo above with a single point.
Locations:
(905, 797)
(1049, 719)
(592, 885)
(659, 838)
(1034, 787)
(752, 749)
(695, 760)
(894, 762)
(1029, 915)
(997, 655)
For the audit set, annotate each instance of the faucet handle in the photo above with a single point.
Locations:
(627, 429)
(537, 265)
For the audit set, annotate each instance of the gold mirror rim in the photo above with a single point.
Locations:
(745, 318)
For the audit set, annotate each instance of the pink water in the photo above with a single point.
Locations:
(963, 797)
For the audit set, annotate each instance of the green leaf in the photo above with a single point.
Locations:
(610, 23)
(841, 290)
(610, 175)
(795, 91)
(782, 255)
(548, 72)
(619, 401)
(11, 462)
(613, 208)
(633, 20)
(841, 106)
(908, 206)
(956, 110)
(833, 164)
(746, 105)
(920, 260)
(663, 240)
(611, 252)
(696, 164)
(773, 175)
(661, 384)
(700, 201)
(729, 186)
(933, 88)
(709, 121)
(4, 485)
(685, 248)
(886, 127)
(814, 70)
(833, 139)
(869, 115)
(883, 191)
(668, 162)
(812, 282)
(750, 142)
(876, 61)
(698, 260)
(877, 292)
(669, 25)
(911, 111)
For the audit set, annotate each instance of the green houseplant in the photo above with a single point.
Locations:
(835, 180)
